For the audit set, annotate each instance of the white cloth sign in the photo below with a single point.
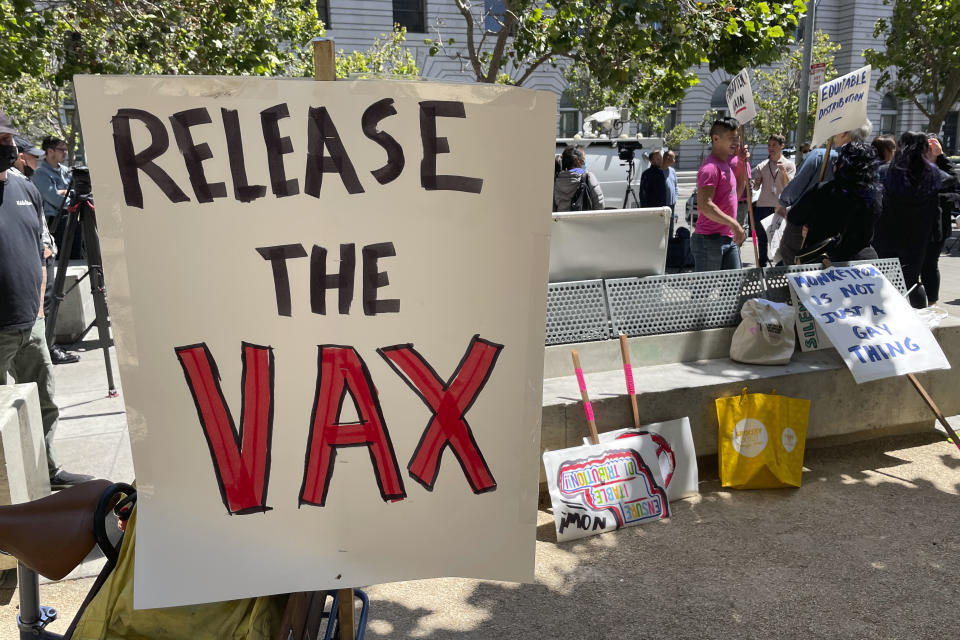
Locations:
(679, 467)
(810, 337)
(841, 105)
(740, 98)
(328, 303)
(874, 329)
(607, 486)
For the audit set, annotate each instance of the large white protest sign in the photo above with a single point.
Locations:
(328, 300)
(875, 331)
(841, 105)
(740, 98)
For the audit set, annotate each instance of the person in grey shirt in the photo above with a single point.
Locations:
(808, 175)
(673, 190)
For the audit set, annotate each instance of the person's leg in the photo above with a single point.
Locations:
(10, 342)
(673, 217)
(707, 254)
(730, 254)
(930, 272)
(760, 214)
(911, 264)
(32, 364)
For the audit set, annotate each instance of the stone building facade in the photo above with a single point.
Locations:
(354, 24)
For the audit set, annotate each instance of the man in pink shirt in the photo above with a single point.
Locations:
(717, 238)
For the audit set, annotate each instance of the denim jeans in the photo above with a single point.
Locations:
(24, 353)
(714, 252)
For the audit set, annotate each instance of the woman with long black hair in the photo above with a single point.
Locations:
(910, 210)
(840, 215)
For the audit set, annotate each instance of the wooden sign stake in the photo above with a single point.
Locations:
(325, 69)
(628, 374)
(933, 407)
(587, 407)
(753, 228)
(826, 158)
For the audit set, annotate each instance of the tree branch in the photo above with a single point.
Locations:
(509, 20)
(923, 109)
(536, 63)
(464, 8)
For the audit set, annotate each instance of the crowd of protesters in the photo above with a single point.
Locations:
(33, 189)
(888, 199)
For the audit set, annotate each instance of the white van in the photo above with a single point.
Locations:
(606, 160)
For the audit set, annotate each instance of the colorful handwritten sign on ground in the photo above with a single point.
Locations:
(874, 329)
(607, 486)
(841, 105)
(740, 98)
(676, 454)
(328, 306)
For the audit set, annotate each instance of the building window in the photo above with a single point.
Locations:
(718, 101)
(569, 120)
(410, 14)
(323, 12)
(888, 115)
(672, 118)
(493, 14)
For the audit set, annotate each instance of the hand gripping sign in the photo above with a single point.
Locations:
(328, 308)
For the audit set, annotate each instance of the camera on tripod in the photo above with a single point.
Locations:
(80, 186)
(627, 149)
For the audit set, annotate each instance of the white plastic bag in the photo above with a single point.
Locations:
(775, 226)
(765, 335)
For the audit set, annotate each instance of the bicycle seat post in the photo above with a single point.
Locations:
(33, 618)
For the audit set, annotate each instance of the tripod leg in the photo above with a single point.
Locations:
(63, 261)
(88, 221)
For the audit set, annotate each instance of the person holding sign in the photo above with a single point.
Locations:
(807, 176)
(839, 215)
(772, 176)
(717, 237)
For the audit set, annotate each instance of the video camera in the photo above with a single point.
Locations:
(81, 188)
(627, 149)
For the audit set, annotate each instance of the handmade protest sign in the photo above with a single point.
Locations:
(875, 331)
(740, 98)
(809, 336)
(607, 486)
(841, 105)
(328, 304)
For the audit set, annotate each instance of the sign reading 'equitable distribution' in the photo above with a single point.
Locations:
(328, 301)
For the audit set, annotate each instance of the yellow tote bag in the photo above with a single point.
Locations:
(761, 440)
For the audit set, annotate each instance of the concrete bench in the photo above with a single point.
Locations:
(681, 374)
(23, 472)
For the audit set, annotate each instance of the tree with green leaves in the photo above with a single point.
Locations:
(777, 92)
(644, 50)
(678, 135)
(921, 60)
(387, 56)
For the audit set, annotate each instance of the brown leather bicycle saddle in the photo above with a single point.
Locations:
(52, 535)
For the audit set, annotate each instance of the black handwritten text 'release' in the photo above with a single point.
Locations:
(325, 152)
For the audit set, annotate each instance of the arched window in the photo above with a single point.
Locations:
(888, 115)
(718, 100)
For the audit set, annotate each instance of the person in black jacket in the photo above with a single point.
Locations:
(911, 211)
(653, 184)
(947, 201)
(842, 213)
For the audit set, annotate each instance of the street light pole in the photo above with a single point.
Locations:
(805, 75)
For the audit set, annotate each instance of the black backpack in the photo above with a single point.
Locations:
(581, 198)
(679, 255)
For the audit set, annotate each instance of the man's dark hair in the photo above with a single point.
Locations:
(724, 124)
(884, 145)
(779, 138)
(50, 142)
(572, 157)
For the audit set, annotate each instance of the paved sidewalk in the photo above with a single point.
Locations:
(868, 548)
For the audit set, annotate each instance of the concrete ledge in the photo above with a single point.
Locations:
(76, 311)
(23, 474)
(839, 406)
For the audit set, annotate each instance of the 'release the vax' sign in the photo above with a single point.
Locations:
(328, 301)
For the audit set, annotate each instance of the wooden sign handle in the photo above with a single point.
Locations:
(587, 407)
(933, 407)
(826, 158)
(628, 374)
(324, 59)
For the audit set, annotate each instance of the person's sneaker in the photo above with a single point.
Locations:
(63, 479)
(59, 356)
